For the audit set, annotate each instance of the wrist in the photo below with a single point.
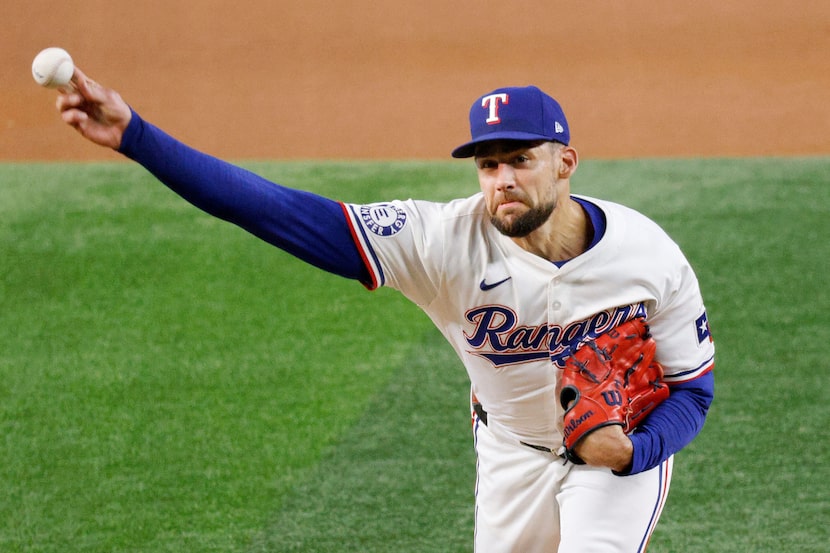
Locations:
(622, 465)
(606, 447)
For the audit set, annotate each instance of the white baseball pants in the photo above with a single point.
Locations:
(530, 501)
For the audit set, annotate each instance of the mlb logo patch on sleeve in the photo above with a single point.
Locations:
(702, 328)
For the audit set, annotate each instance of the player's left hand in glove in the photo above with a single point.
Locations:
(610, 380)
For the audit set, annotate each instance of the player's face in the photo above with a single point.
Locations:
(519, 184)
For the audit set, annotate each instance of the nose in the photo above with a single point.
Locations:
(505, 176)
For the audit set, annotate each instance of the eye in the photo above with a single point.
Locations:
(484, 163)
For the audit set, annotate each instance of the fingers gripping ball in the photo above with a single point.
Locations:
(610, 380)
(53, 68)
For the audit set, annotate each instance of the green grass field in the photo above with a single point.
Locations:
(169, 383)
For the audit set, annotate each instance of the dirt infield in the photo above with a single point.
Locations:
(394, 79)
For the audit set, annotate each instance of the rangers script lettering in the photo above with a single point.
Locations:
(509, 343)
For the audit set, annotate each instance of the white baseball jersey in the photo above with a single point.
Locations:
(512, 316)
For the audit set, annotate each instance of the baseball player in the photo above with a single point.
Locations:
(517, 277)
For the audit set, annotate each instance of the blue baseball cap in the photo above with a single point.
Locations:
(515, 113)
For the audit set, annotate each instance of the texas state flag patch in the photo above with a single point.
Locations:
(702, 327)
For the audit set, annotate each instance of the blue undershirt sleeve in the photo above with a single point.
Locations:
(306, 225)
(673, 424)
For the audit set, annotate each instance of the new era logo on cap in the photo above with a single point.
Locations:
(515, 113)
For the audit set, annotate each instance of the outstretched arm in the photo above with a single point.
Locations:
(308, 226)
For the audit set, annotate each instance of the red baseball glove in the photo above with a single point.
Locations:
(610, 380)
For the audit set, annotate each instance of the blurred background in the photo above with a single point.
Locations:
(394, 79)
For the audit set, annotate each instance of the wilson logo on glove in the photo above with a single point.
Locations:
(574, 423)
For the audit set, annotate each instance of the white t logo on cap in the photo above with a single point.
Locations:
(492, 101)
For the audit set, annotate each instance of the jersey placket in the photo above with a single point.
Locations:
(558, 307)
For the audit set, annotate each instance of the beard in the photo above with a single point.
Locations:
(525, 223)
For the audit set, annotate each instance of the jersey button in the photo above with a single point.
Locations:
(556, 305)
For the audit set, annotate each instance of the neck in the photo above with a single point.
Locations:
(565, 235)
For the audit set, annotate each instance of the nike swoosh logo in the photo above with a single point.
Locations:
(484, 285)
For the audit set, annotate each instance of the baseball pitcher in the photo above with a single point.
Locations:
(579, 321)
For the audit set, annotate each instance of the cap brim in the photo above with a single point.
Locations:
(469, 149)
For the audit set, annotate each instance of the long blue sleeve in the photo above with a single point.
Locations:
(673, 424)
(306, 225)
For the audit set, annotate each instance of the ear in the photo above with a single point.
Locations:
(570, 160)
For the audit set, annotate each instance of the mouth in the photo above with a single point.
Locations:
(509, 204)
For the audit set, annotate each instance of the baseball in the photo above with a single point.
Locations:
(53, 68)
